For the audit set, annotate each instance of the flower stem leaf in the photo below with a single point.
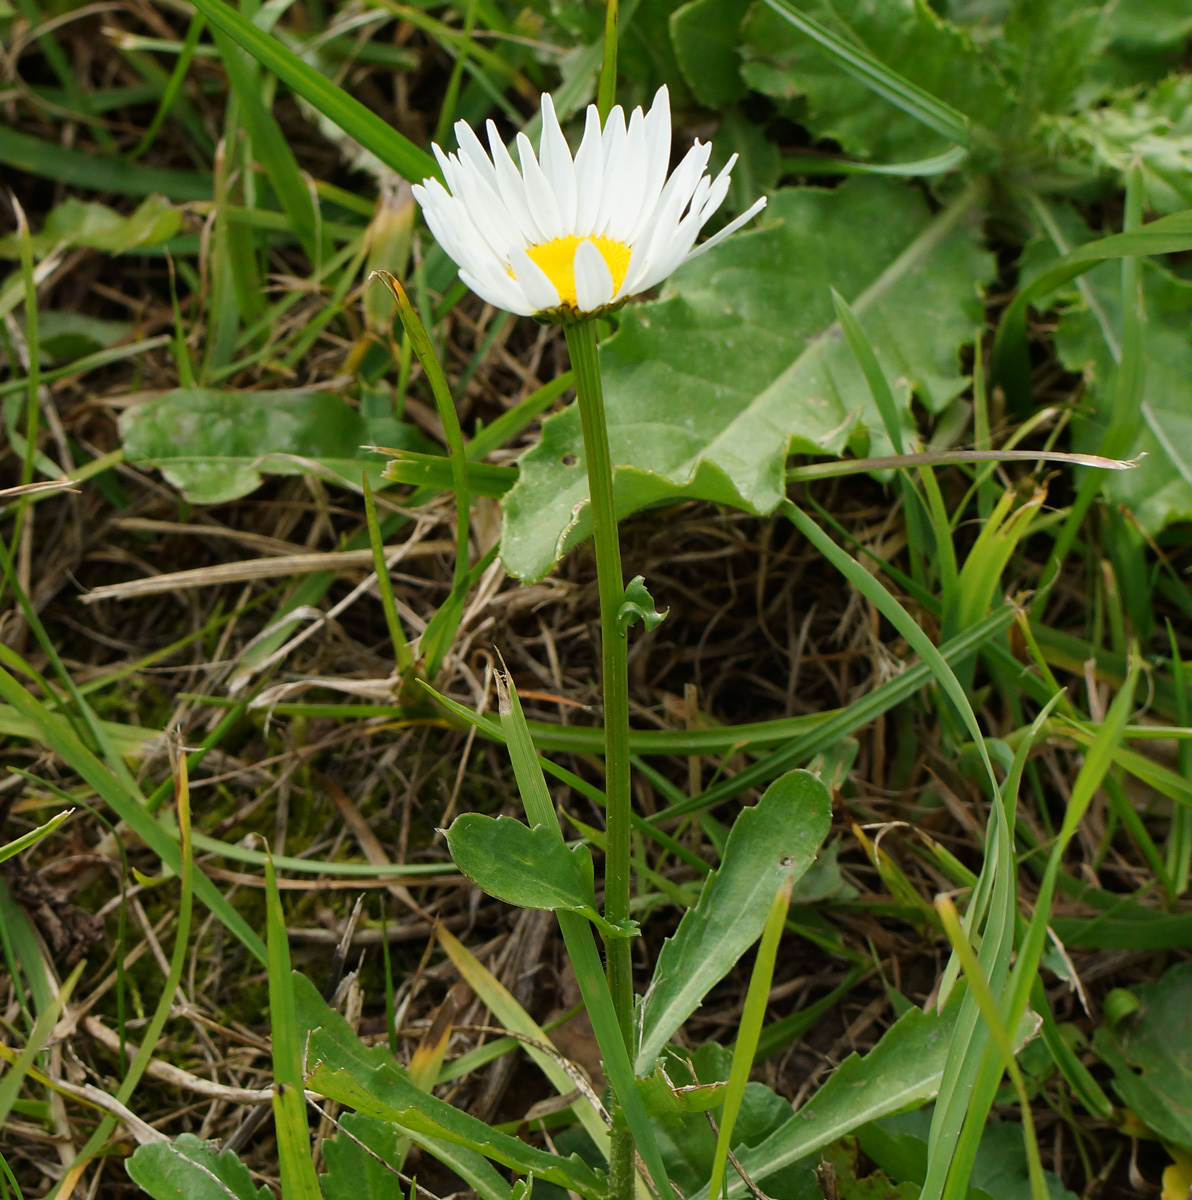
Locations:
(638, 605)
(529, 867)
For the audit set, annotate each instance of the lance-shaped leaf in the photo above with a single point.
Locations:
(532, 868)
(775, 840)
(742, 362)
(902, 1071)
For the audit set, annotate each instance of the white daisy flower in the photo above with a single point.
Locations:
(564, 238)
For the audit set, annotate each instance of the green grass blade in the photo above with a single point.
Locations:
(19, 1064)
(445, 406)
(65, 742)
(194, 31)
(397, 637)
(64, 164)
(903, 94)
(298, 1179)
(34, 835)
(753, 1016)
(333, 102)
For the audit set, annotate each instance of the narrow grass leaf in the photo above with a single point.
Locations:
(333, 102)
(753, 1016)
(299, 1181)
(512, 1016)
(64, 742)
(34, 835)
(19, 1064)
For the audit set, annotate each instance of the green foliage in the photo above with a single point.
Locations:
(709, 389)
(1151, 1056)
(532, 868)
(362, 1160)
(775, 840)
(189, 1168)
(216, 445)
(79, 223)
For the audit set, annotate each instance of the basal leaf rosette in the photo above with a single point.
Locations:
(567, 238)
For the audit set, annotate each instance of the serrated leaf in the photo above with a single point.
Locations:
(532, 868)
(337, 1046)
(708, 389)
(1150, 1053)
(361, 1172)
(387, 1094)
(1154, 130)
(216, 446)
(906, 35)
(775, 840)
(190, 1169)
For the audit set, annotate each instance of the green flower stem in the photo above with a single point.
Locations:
(581, 344)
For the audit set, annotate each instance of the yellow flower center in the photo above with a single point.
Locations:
(557, 260)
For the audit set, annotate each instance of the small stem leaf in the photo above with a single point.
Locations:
(638, 605)
(775, 840)
(532, 868)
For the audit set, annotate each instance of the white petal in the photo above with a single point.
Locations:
(472, 152)
(513, 188)
(589, 174)
(630, 180)
(556, 164)
(658, 150)
(593, 279)
(614, 141)
(488, 214)
(729, 229)
(499, 294)
(534, 281)
(540, 195)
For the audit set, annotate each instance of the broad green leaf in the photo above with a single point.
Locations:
(361, 1172)
(386, 1093)
(901, 1071)
(1153, 129)
(906, 35)
(215, 446)
(741, 363)
(1010, 363)
(67, 336)
(1150, 1053)
(704, 34)
(1159, 490)
(776, 839)
(188, 1168)
(532, 868)
(81, 223)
